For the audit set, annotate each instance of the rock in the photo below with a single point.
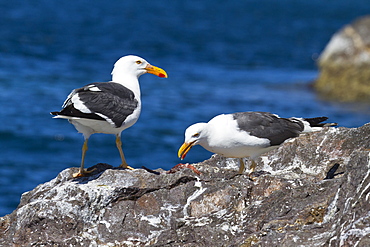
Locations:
(312, 191)
(345, 64)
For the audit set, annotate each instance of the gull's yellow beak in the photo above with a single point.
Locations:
(156, 71)
(184, 149)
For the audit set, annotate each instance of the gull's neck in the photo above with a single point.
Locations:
(128, 80)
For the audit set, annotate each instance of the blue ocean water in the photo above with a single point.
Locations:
(221, 57)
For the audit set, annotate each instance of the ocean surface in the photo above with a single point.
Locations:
(221, 57)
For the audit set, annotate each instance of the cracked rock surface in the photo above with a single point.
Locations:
(312, 191)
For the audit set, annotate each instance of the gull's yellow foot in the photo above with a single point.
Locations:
(83, 173)
(252, 177)
(125, 166)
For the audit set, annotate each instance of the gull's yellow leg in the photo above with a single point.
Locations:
(119, 147)
(253, 166)
(82, 172)
(241, 166)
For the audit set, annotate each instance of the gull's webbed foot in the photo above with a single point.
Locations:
(83, 173)
(125, 166)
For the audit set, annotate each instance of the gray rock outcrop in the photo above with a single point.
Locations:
(314, 190)
(345, 64)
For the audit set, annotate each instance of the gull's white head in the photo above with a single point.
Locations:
(194, 135)
(134, 66)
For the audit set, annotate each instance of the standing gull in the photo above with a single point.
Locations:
(247, 134)
(108, 107)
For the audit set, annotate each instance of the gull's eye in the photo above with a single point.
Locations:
(138, 62)
(196, 135)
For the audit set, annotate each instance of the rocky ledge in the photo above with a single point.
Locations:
(312, 191)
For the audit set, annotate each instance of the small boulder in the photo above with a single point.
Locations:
(345, 64)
